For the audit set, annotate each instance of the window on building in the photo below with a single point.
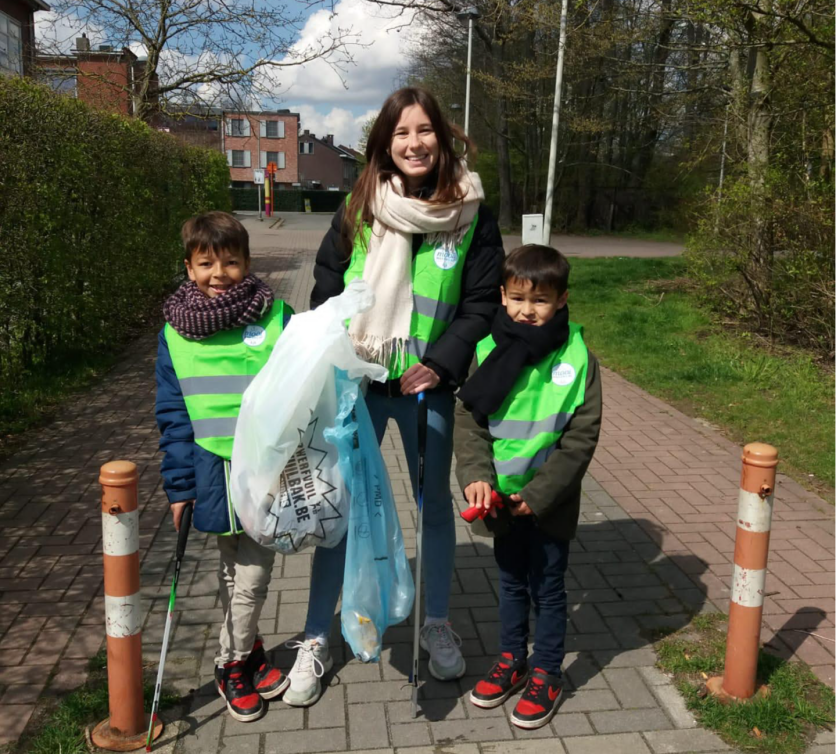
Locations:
(238, 158)
(11, 50)
(238, 127)
(61, 81)
(274, 129)
(277, 157)
(305, 147)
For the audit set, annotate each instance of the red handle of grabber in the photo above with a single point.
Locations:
(471, 514)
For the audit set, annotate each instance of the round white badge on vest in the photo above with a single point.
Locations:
(446, 257)
(254, 335)
(563, 374)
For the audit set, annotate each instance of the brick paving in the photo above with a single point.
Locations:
(654, 546)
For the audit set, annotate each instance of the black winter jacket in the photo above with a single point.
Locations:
(449, 357)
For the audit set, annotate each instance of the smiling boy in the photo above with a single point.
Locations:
(527, 426)
(220, 329)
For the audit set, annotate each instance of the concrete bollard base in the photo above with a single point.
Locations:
(714, 685)
(105, 737)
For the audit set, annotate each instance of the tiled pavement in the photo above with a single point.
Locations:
(654, 545)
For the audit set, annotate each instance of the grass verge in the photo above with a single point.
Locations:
(62, 728)
(641, 320)
(783, 722)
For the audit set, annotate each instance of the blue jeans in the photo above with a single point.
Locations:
(439, 538)
(532, 567)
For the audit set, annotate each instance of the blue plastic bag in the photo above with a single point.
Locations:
(378, 589)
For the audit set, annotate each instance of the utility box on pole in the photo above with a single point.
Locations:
(532, 229)
(258, 180)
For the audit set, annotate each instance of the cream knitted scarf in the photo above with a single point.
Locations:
(380, 334)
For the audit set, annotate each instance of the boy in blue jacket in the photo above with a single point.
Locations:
(221, 326)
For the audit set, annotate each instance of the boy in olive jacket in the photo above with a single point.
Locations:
(527, 426)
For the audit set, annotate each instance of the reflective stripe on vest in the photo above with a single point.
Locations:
(532, 418)
(437, 283)
(214, 373)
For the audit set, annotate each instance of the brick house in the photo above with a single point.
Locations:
(255, 139)
(195, 126)
(103, 78)
(324, 165)
(17, 35)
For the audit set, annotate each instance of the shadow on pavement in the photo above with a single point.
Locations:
(624, 592)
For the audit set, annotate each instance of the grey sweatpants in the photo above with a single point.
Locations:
(244, 574)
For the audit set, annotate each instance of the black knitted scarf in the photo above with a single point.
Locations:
(517, 346)
(197, 317)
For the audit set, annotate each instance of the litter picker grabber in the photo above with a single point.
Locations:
(185, 523)
(419, 532)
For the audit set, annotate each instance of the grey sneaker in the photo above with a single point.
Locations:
(442, 642)
(313, 660)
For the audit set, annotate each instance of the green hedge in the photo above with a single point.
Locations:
(246, 199)
(91, 206)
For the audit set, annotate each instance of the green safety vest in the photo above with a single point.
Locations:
(532, 417)
(214, 373)
(436, 291)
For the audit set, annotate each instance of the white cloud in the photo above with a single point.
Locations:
(383, 34)
(57, 34)
(359, 85)
(343, 124)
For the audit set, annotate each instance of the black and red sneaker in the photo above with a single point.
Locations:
(236, 688)
(503, 679)
(539, 701)
(269, 682)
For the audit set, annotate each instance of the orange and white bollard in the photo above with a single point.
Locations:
(751, 549)
(126, 727)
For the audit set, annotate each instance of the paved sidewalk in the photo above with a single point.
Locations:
(302, 231)
(654, 545)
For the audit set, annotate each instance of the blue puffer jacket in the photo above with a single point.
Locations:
(189, 471)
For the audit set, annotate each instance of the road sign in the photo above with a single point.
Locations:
(272, 168)
(258, 176)
(532, 229)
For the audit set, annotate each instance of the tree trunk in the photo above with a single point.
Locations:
(760, 133)
(652, 121)
(506, 198)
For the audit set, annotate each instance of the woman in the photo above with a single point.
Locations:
(416, 230)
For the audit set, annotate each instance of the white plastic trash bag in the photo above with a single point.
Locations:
(286, 485)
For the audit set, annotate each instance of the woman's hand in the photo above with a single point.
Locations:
(177, 512)
(418, 378)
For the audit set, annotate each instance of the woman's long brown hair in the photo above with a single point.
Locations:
(380, 167)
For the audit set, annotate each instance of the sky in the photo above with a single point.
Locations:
(339, 103)
(329, 101)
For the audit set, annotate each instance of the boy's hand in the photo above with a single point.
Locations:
(478, 495)
(417, 378)
(177, 512)
(520, 508)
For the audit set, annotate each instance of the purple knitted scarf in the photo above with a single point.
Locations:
(198, 317)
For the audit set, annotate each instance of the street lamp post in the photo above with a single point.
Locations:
(470, 14)
(558, 86)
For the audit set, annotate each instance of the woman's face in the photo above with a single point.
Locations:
(414, 146)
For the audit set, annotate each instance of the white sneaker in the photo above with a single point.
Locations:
(313, 660)
(442, 642)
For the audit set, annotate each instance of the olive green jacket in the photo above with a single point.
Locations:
(554, 495)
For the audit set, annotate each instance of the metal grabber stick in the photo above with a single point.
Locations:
(419, 532)
(185, 523)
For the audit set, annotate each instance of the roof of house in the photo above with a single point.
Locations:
(344, 152)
